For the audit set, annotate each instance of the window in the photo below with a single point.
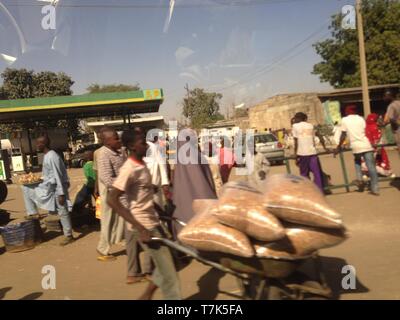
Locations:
(265, 138)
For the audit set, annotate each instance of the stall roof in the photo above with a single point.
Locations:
(221, 124)
(147, 120)
(81, 106)
(356, 91)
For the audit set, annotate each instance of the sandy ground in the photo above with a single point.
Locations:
(373, 249)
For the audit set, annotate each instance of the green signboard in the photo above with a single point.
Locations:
(2, 171)
(332, 112)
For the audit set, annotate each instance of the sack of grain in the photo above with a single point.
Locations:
(298, 200)
(205, 233)
(202, 205)
(300, 241)
(241, 208)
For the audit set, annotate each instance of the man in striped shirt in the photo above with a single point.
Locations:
(109, 160)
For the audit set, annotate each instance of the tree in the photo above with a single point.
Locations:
(22, 84)
(2, 94)
(340, 64)
(18, 83)
(50, 84)
(96, 88)
(202, 107)
(241, 113)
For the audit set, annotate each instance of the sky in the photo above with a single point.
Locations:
(247, 50)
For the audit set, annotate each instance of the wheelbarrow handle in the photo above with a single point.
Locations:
(192, 253)
(183, 224)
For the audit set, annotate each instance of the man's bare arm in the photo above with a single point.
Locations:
(322, 140)
(341, 141)
(386, 119)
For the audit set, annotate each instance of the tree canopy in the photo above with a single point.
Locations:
(340, 65)
(202, 107)
(96, 88)
(49, 84)
(23, 84)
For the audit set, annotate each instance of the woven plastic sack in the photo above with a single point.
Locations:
(300, 241)
(205, 233)
(241, 207)
(298, 200)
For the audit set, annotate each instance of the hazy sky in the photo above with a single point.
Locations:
(248, 50)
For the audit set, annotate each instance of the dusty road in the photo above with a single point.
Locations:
(373, 249)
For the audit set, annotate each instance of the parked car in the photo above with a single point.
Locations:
(268, 144)
(78, 159)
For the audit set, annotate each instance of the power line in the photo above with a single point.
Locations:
(160, 6)
(283, 57)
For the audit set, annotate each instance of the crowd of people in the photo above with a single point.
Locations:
(364, 138)
(133, 180)
(131, 177)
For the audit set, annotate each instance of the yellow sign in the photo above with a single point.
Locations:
(152, 94)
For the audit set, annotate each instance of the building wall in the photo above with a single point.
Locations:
(276, 112)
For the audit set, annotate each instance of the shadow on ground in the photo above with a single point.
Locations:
(32, 296)
(3, 292)
(82, 230)
(119, 253)
(395, 183)
(332, 269)
(208, 285)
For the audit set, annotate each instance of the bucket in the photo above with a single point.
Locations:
(20, 236)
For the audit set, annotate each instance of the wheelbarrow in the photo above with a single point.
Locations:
(261, 278)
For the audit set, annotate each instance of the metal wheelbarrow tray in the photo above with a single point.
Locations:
(262, 278)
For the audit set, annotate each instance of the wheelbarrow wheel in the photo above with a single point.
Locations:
(321, 293)
(274, 293)
(257, 289)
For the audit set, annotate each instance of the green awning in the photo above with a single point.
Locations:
(81, 106)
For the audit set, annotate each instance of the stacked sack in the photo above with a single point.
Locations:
(288, 218)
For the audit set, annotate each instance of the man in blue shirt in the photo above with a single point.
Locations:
(52, 193)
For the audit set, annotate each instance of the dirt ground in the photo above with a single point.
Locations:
(373, 249)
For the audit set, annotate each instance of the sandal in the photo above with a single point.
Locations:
(135, 279)
(106, 258)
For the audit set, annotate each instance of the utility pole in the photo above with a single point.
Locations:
(363, 62)
(188, 96)
(187, 90)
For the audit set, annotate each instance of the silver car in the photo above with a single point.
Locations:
(268, 144)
